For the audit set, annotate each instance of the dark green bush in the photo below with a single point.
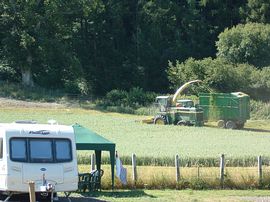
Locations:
(260, 84)
(78, 86)
(259, 110)
(198, 184)
(135, 98)
(116, 98)
(222, 76)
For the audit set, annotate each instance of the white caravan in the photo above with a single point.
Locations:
(42, 153)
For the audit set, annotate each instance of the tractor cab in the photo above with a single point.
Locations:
(185, 103)
(163, 102)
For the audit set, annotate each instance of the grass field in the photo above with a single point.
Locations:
(131, 136)
(153, 141)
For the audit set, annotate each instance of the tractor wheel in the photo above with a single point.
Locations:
(221, 124)
(160, 120)
(181, 123)
(240, 125)
(230, 125)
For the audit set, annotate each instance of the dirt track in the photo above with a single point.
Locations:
(5, 102)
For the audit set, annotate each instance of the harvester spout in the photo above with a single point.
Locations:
(182, 88)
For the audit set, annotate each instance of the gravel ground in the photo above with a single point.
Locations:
(91, 199)
(81, 199)
(61, 199)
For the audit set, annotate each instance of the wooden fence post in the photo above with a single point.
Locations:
(93, 162)
(32, 193)
(177, 165)
(134, 169)
(222, 166)
(260, 169)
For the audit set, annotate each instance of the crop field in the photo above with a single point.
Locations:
(131, 136)
(161, 177)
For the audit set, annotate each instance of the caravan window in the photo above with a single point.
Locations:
(63, 150)
(18, 149)
(41, 150)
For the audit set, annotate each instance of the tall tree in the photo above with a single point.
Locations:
(20, 26)
(247, 43)
(256, 11)
(37, 41)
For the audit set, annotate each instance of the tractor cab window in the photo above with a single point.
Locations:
(185, 103)
(161, 101)
(162, 104)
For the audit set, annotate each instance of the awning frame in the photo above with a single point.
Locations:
(89, 140)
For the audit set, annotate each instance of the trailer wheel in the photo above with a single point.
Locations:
(240, 125)
(221, 124)
(181, 123)
(230, 125)
(160, 120)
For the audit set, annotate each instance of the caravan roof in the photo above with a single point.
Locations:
(35, 129)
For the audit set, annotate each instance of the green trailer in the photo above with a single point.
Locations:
(230, 110)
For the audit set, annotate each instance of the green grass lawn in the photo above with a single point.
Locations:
(131, 136)
(182, 195)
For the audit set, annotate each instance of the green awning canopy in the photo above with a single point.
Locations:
(89, 140)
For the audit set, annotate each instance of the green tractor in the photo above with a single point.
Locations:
(229, 110)
(183, 112)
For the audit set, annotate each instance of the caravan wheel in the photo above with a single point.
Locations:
(46, 196)
(2, 196)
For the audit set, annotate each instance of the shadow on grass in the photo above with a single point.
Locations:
(256, 130)
(243, 129)
(119, 194)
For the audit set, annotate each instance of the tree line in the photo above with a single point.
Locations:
(94, 46)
